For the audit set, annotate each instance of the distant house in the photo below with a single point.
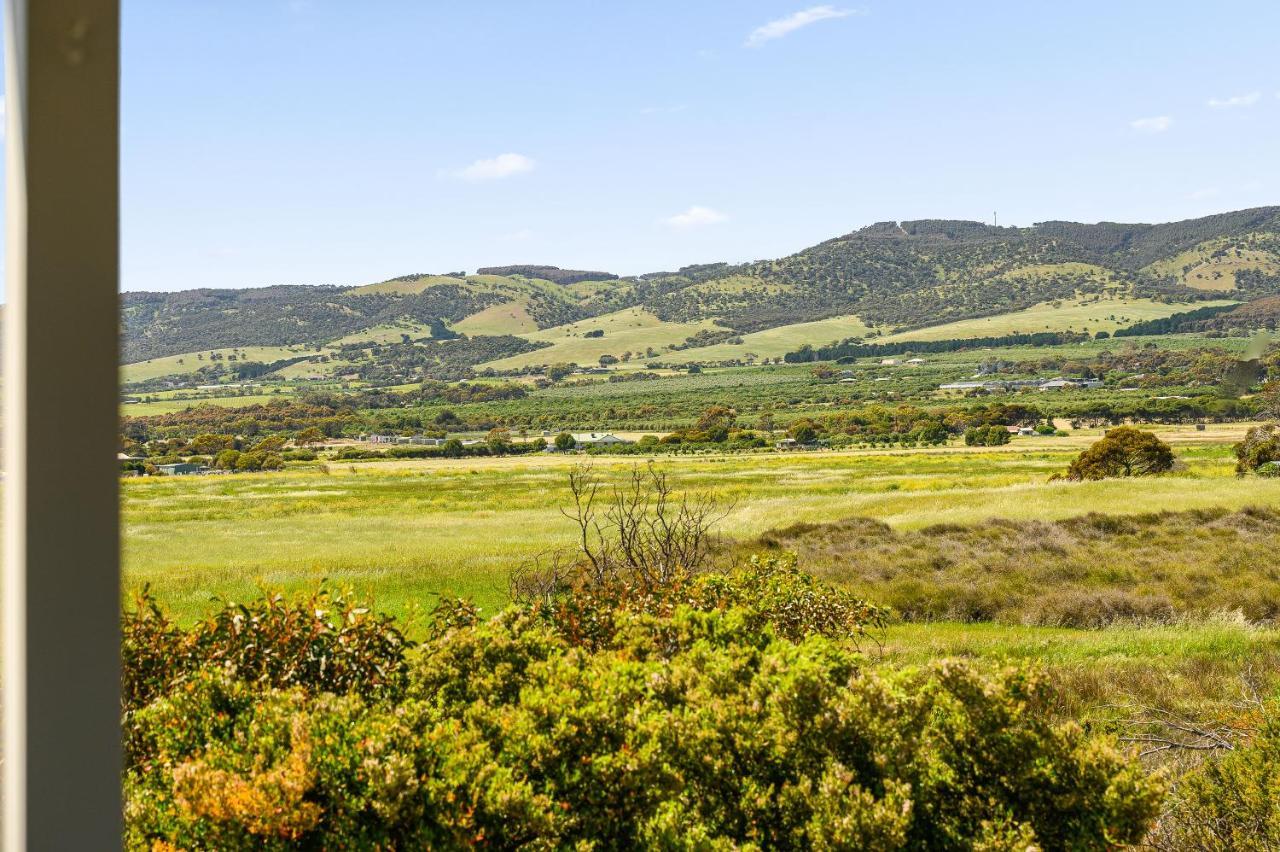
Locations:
(1058, 384)
(787, 444)
(179, 469)
(915, 360)
(961, 385)
(889, 362)
(597, 439)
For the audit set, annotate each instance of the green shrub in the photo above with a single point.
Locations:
(1231, 801)
(1259, 452)
(726, 712)
(324, 641)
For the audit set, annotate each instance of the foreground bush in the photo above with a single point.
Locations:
(729, 711)
(1231, 802)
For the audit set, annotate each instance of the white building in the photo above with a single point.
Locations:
(597, 439)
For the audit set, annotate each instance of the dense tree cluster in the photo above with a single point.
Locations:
(548, 273)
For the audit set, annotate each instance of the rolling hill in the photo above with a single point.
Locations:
(918, 279)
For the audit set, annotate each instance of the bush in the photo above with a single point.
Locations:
(1259, 452)
(712, 724)
(324, 641)
(1232, 801)
(299, 455)
(1123, 451)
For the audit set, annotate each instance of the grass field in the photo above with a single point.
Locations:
(168, 406)
(404, 533)
(776, 342)
(406, 530)
(1074, 315)
(189, 362)
(631, 330)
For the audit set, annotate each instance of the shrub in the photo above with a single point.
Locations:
(1232, 801)
(1123, 451)
(1259, 452)
(696, 727)
(324, 641)
(299, 455)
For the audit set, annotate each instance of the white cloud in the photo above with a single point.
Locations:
(793, 22)
(1154, 124)
(695, 217)
(1235, 101)
(501, 166)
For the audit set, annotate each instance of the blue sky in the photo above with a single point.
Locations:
(323, 141)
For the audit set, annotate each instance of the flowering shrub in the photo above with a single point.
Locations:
(323, 641)
(735, 711)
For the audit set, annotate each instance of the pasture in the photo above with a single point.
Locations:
(1067, 315)
(632, 330)
(405, 531)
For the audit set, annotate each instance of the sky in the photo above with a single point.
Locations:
(328, 142)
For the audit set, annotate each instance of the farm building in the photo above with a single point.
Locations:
(597, 439)
(179, 469)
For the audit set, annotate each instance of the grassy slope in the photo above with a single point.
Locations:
(405, 288)
(775, 342)
(170, 365)
(1197, 267)
(632, 329)
(1073, 315)
(505, 318)
(386, 333)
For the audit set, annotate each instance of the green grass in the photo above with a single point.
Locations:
(1196, 668)
(776, 342)
(404, 531)
(189, 362)
(386, 333)
(505, 318)
(168, 406)
(631, 330)
(1075, 315)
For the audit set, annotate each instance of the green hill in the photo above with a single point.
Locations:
(918, 279)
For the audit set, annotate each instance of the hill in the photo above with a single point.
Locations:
(915, 279)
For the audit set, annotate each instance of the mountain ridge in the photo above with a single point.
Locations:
(893, 275)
